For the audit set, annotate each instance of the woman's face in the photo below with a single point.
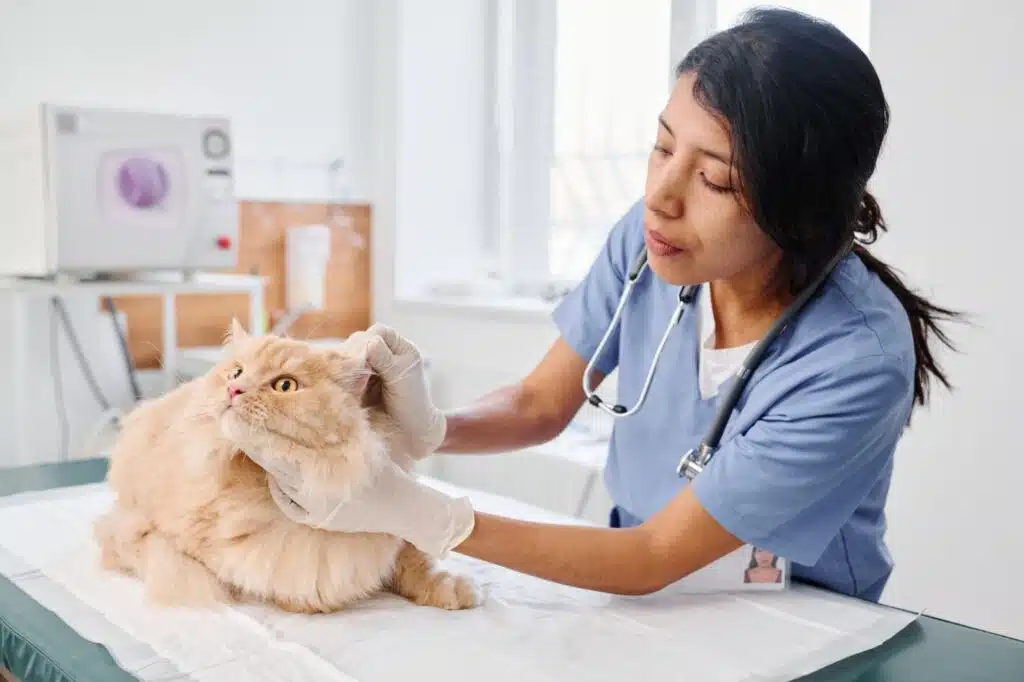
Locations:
(763, 558)
(696, 226)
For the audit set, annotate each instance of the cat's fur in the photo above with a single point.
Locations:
(194, 518)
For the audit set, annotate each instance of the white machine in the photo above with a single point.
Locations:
(87, 191)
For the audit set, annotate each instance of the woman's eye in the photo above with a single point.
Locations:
(285, 384)
(714, 187)
(235, 372)
(660, 149)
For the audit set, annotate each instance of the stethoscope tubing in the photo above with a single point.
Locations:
(687, 295)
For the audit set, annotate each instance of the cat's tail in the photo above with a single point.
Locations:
(416, 578)
(130, 544)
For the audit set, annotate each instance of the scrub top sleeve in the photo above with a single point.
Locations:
(583, 316)
(796, 476)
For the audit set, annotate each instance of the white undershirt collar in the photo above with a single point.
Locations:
(716, 364)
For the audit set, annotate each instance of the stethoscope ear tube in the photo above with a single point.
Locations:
(638, 266)
(592, 397)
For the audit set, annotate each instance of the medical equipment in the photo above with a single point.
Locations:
(307, 250)
(696, 459)
(28, 436)
(85, 191)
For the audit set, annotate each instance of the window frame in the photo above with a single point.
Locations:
(524, 128)
(509, 182)
(518, 238)
(496, 251)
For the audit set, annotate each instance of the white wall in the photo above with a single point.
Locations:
(949, 184)
(292, 74)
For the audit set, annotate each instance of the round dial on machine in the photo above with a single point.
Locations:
(216, 144)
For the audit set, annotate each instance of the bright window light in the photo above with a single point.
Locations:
(611, 65)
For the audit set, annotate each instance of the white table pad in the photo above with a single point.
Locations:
(527, 629)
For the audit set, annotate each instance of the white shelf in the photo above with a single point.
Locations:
(157, 283)
(165, 285)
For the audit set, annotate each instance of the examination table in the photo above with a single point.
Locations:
(38, 646)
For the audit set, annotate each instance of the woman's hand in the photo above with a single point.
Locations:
(406, 395)
(393, 503)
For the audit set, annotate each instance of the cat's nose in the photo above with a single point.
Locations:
(234, 390)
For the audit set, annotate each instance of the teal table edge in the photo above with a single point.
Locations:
(37, 646)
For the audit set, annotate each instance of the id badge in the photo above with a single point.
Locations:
(747, 569)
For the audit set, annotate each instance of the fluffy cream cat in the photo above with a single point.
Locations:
(194, 518)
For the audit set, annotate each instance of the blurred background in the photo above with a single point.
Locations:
(451, 167)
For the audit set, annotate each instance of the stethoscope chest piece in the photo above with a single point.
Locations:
(693, 462)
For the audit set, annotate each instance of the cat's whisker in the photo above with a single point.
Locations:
(316, 327)
(159, 353)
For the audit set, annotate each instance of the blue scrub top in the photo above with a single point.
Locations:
(804, 465)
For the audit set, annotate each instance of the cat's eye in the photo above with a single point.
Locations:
(235, 372)
(285, 384)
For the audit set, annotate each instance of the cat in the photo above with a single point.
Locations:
(194, 519)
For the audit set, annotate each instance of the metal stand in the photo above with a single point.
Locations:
(167, 286)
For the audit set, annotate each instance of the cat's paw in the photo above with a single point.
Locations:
(451, 592)
(467, 595)
(418, 579)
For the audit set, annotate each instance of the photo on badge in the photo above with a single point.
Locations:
(746, 569)
(764, 567)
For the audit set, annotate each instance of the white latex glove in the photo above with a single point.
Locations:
(393, 503)
(406, 394)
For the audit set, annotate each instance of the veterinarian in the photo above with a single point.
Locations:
(756, 188)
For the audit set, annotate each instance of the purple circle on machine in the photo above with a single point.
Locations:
(143, 183)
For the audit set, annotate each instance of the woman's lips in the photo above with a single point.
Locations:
(658, 246)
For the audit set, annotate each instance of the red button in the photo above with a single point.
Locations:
(224, 243)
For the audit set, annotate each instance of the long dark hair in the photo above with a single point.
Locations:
(753, 559)
(807, 117)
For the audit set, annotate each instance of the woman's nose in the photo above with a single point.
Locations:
(666, 193)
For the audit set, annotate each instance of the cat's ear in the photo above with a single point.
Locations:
(235, 333)
(372, 394)
(356, 376)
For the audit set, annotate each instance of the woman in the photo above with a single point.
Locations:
(756, 180)
(763, 567)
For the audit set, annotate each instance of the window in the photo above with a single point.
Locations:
(580, 85)
(527, 126)
(611, 81)
(612, 63)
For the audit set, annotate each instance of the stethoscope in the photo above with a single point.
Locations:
(696, 459)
